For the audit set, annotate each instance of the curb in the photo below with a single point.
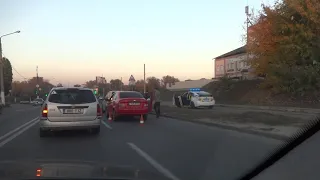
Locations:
(248, 131)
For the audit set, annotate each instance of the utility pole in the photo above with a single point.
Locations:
(121, 84)
(37, 86)
(247, 22)
(1, 75)
(144, 78)
(247, 43)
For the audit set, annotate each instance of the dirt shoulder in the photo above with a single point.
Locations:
(282, 124)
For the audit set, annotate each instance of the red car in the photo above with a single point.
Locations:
(129, 103)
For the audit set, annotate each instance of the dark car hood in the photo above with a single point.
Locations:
(72, 169)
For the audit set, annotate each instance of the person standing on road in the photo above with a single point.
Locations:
(1, 106)
(156, 98)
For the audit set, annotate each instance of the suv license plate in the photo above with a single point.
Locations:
(73, 111)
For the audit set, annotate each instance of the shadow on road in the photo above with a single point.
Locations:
(70, 134)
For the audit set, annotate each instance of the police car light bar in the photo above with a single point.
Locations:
(195, 89)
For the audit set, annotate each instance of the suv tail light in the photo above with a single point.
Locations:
(45, 111)
(99, 110)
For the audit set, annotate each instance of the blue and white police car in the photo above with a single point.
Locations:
(194, 98)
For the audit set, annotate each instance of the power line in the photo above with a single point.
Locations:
(14, 68)
(18, 73)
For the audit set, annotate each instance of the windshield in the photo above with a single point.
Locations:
(210, 88)
(72, 96)
(131, 95)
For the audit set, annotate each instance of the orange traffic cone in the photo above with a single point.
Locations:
(141, 119)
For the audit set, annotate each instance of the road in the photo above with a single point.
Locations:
(180, 150)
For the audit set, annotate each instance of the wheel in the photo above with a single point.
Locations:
(145, 117)
(42, 133)
(192, 105)
(95, 131)
(210, 107)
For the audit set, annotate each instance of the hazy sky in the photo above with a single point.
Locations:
(75, 40)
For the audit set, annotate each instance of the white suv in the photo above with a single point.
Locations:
(69, 109)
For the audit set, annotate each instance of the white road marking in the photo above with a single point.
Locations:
(18, 128)
(18, 133)
(106, 125)
(153, 162)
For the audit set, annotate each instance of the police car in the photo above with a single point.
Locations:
(194, 98)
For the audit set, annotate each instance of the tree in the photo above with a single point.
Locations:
(59, 85)
(91, 84)
(169, 80)
(7, 75)
(19, 88)
(77, 85)
(152, 82)
(28, 88)
(139, 85)
(284, 44)
(115, 84)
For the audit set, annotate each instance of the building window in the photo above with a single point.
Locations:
(240, 64)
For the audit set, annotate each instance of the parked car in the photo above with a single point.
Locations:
(70, 109)
(129, 103)
(25, 102)
(194, 98)
(37, 102)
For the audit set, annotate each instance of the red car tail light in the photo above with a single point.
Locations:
(99, 110)
(45, 111)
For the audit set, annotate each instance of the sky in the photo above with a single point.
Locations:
(73, 41)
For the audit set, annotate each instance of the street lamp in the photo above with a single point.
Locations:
(2, 70)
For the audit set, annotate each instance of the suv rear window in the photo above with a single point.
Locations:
(72, 96)
(131, 95)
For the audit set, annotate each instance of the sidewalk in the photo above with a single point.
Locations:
(271, 108)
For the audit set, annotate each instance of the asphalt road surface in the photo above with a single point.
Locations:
(178, 149)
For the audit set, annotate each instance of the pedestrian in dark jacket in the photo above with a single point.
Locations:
(156, 99)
